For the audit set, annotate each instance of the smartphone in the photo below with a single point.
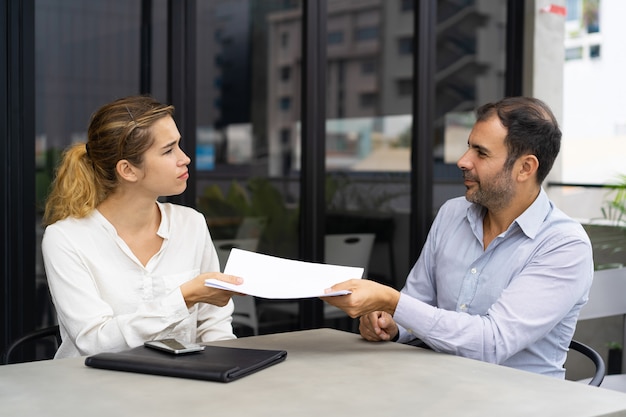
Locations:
(174, 346)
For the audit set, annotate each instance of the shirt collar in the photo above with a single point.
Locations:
(529, 221)
(164, 227)
(532, 218)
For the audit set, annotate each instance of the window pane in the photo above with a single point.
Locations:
(368, 130)
(593, 102)
(594, 122)
(470, 72)
(573, 53)
(335, 38)
(248, 126)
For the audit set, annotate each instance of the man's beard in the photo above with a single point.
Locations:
(493, 196)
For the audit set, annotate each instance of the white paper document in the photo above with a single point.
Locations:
(273, 277)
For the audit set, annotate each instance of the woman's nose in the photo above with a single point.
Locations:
(185, 159)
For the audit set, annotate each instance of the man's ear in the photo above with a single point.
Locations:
(528, 167)
(126, 171)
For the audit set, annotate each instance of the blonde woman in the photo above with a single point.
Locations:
(123, 267)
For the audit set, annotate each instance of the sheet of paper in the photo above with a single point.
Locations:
(273, 277)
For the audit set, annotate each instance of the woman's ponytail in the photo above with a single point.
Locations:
(74, 190)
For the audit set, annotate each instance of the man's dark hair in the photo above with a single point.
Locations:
(531, 129)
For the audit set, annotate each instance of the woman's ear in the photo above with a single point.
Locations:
(126, 171)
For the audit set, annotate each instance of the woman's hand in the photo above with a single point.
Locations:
(194, 291)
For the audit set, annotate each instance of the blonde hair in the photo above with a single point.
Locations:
(87, 174)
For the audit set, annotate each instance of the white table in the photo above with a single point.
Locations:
(327, 373)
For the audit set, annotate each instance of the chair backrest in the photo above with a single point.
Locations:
(352, 249)
(600, 368)
(47, 340)
(607, 295)
(251, 228)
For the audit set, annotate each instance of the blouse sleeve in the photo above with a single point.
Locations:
(214, 323)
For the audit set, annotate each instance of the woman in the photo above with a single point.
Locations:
(122, 267)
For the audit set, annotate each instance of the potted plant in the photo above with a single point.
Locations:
(614, 363)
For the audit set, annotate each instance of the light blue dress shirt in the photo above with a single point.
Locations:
(515, 303)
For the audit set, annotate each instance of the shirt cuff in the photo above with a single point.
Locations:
(415, 318)
(174, 305)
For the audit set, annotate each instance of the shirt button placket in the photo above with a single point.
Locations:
(472, 282)
(147, 286)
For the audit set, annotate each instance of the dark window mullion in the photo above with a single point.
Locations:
(17, 158)
(312, 183)
(424, 56)
(181, 83)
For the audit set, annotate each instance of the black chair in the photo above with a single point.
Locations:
(595, 357)
(45, 343)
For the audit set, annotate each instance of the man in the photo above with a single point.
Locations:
(503, 273)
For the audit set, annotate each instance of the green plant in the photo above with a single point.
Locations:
(615, 208)
(614, 345)
(260, 199)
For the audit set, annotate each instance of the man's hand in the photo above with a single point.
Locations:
(378, 326)
(366, 297)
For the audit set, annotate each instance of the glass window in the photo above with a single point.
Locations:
(573, 53)
(366, 33)
(368, 100)
(594, 133)
(470, 71)
(591, 15)
(285, 73)
(573, 8)
(367, 161)
(368, 66)
(335, 38)
(284, 40)
(250, 123)
(405, 45)
(285, 103)
(588, 81)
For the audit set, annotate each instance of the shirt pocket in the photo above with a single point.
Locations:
(167, 283)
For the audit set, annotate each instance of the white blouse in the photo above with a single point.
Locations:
(106, 300)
